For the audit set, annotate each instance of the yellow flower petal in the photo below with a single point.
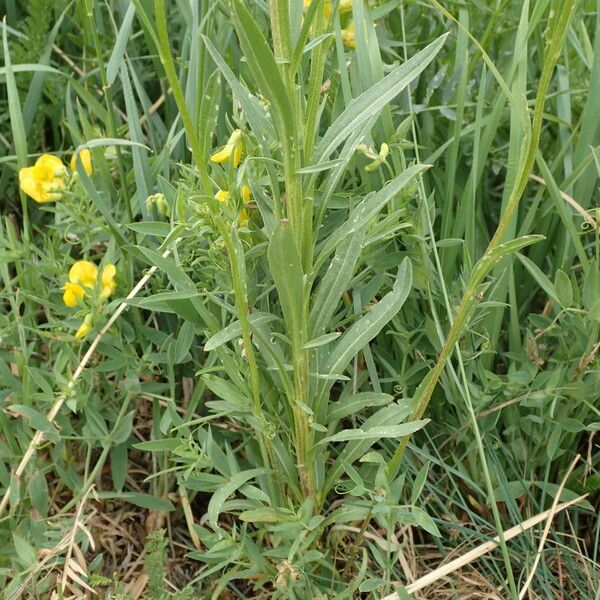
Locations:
(221, 156)
(29, 185)
(86, 160)
(84, 328)
(73, 293)
(109, 284)
(244, 217)
(84, 273)
(45, 181)
(237, 154)
(232, 150)
(246, 194)
(222, 196)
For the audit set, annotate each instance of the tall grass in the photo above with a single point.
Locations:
(379, 330)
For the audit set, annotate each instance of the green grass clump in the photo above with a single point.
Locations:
(340, 302)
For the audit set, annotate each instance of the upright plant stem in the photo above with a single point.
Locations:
(241, 303)
(469, 301)
(300, 215)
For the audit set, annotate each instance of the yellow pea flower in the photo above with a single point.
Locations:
(73, 294)
(231, 151)
(86, 160)
(222, 196)
(348, 36)
(109, 285)
(45, 181)
(83, 275)
(246, 194)
(84, 328)
(244, 217)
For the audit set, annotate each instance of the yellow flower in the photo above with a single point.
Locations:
(246, 194)
(348, 36)
(45, 181)
(73, 294)
(83, 275)
(84, 328)
(232, 150)
(345, 5)
(222, 196)
(109, 285)
(244, 217)
(85, 156)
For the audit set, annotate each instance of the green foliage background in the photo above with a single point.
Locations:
(260, 390)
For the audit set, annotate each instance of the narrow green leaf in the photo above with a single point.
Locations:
(286, 269)
(373, 100)
(376, 433)
(335, 282)
(263, 65)
(218, 498)
(350, 405)
(114, 62)
(370, 324)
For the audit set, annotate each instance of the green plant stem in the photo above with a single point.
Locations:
(241, 303)
(300, 216)
(469, 300)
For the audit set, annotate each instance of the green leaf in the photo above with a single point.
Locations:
(591, 286)
(25, 551)
(370, 324)
(263, 65)
(367, 209)
(350, 405)
(539, 276)
(374, 99)
(423, 520)
(119, 466)
(122, 430)
(321, 340)
(253, 109)
(218, 498)
(157, 228)
(264, 515)
(138, 499)
(184, 341)
(491, 259)
(392, 414)
(163, 445)
(564, 289)
(112, 68)
(376, 433)
(288, 276)
(335, 282)
(36, 420)
(234, 330)
(419, 482)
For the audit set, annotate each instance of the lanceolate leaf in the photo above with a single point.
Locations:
(262, 64)
(286, 269)
(335, 282)
(370, 324)
(218, 498)
(367, 209)
(374, 99)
